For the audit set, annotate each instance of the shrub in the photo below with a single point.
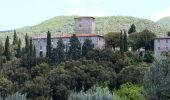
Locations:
(95, 93)
(130, 92)
(17, 96)
(157, 80)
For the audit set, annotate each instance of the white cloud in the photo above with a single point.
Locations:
(161, 14)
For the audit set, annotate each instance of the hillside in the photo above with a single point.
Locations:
(165, 22)
(65, 24)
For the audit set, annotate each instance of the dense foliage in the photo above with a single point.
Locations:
(81, 68)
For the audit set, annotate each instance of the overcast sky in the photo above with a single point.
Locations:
(19, 13)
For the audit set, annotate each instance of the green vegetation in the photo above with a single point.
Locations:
(87, 73)
(75, 48)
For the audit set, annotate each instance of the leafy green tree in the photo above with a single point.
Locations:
(157, 80)
(18, 54)
(144, 39)
(49, 46)
(121, 43)
(87, 46)
(38, 88)
(112, 39)
(132, 29)
(125, 42)
(131, 74)
(60, 50)
(15, 38)
(130, 92)
(75, 48)
(7, 52)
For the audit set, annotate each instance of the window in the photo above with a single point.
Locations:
(80, 25)
(158, 41)
(41, 53)
(40, 47)
(166, 40)
(166, 48)
(158, 48)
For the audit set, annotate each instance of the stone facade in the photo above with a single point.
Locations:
(41, 42)
(84, 25)
(161, 44)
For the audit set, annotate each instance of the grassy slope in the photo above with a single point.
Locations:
(165, 22)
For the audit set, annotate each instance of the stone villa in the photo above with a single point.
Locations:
(161, 44)
(84, 29)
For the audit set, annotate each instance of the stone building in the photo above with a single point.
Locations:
(84, 25)
(41, 42)
(85, 28)
(161, 44)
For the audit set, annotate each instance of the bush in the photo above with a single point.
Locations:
(130, 92)
(157, 80)
(17, 96)
(95, 93)
(130, 74)
(6, 87)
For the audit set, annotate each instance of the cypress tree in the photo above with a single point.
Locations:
(15, 38)
(132, 29)
(34, 56)
(49, 47)
(75, 48)
(1, 51)
(125, 42)
(7, 49)
(121, 42)
(26, 44)
(30, 48)
(60, 50)
(19, 49)
(87, 46)
(1, 47)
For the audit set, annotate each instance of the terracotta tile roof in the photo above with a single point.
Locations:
(167, 37)
(68, 36)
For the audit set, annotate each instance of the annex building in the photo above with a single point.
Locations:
(161, 44)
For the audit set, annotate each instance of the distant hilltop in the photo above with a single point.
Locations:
(66, 24)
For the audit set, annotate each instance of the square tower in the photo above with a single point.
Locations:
(84, 25)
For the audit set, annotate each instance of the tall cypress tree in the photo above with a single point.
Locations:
(30, 48)
(18, 55)
(60, 50)
(75, 48)
(7, 49)
(15, 38)
(34, 56)
(87, 46)
(125, 42)
(1, 51)
(121, 42)
(49, 47)
(26, 44)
